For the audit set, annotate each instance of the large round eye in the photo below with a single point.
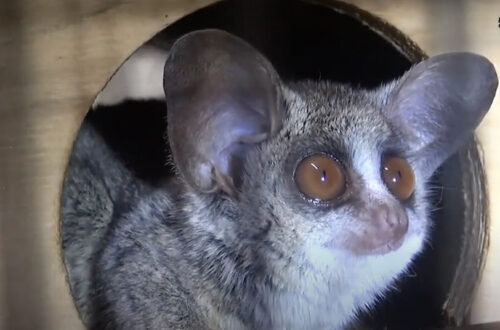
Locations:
(320, 177)
(398, 176)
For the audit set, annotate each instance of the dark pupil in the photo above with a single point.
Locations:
(323, 176)
(398, 177)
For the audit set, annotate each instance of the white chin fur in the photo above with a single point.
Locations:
(139, 78)
(340, 285)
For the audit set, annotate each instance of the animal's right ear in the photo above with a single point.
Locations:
(439, 102)
(223, 98)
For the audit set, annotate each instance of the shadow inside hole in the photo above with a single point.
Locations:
(307, 40)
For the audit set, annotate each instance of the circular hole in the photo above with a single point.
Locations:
(121, 153)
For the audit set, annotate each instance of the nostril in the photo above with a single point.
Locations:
(392, 219)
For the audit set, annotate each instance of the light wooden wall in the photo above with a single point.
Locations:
(55, 55)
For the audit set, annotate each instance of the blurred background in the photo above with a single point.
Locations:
(56, 55)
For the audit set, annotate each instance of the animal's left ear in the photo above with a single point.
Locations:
(439, 102)
(223, 99)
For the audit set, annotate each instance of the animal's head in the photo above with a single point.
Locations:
(320, 172)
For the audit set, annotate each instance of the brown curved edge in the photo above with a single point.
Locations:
(475, 248)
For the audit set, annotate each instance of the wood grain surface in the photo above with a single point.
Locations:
(55, 56)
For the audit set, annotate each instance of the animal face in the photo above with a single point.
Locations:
(363, 233)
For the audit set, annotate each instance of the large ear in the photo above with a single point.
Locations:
(223, 97)
(438, 103)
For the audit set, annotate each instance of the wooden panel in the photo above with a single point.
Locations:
(57, 54)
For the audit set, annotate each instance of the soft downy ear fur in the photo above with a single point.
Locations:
(439, 102)
(223, 97)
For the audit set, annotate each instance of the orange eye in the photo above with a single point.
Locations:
(320, 177)
(398, 176)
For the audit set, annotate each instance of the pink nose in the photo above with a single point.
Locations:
(381, 229)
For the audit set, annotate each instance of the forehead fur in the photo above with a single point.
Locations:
(338, 108)
(334, 118)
